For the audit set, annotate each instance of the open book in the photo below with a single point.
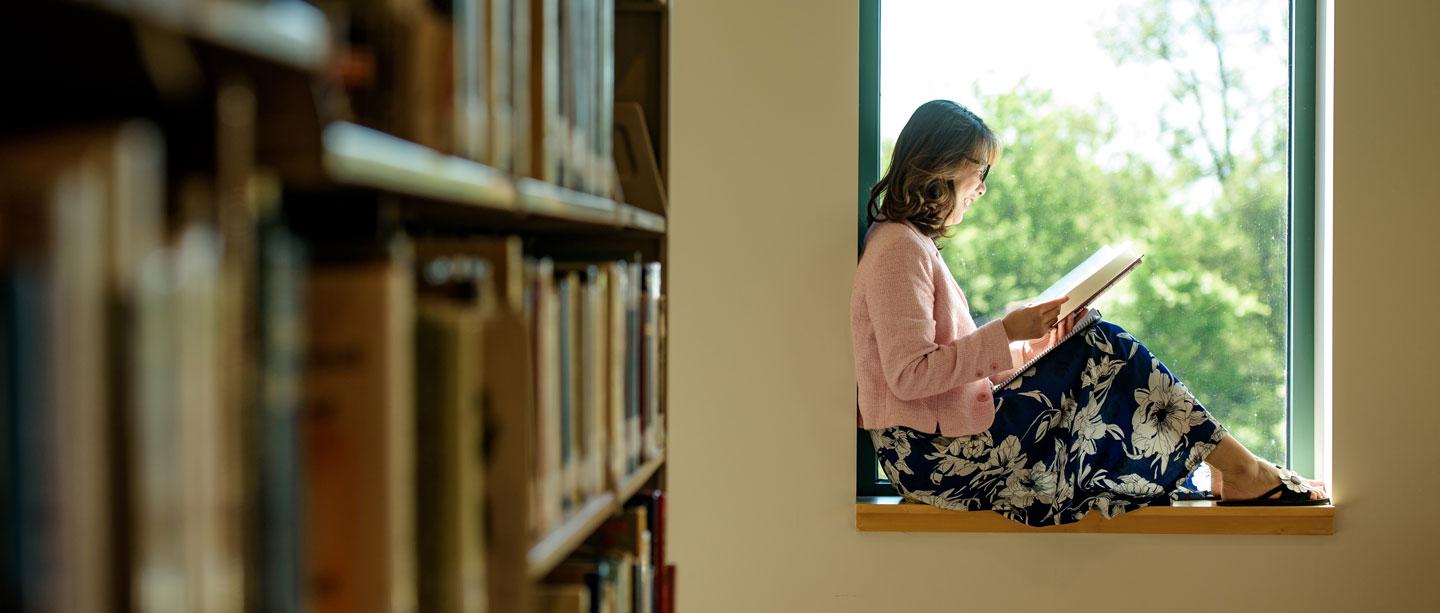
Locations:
(1083, 285)
(1097, 273)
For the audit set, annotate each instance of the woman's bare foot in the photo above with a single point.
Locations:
(1236, 474)
(1259, 479)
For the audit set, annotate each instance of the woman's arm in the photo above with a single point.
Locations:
(900, 297)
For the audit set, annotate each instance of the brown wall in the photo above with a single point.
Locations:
(763, 154)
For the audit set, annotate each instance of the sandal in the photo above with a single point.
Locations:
(1292, 492)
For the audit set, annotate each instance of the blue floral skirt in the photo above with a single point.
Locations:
(1098, 423)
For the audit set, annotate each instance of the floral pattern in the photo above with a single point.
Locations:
(1099, 424)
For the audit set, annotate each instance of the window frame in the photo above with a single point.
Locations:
(1301, 152)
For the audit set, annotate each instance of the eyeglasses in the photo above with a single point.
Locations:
(984, 174)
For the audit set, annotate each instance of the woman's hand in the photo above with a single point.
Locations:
(1063, 328)
(1033, 321)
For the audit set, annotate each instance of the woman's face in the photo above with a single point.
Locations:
(969, 181)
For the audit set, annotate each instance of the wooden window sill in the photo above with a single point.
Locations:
(890, 514)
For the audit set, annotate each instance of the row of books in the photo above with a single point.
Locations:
(526, 86)
(597, 348)
(202, 411)
(622, 568)
(128, 400)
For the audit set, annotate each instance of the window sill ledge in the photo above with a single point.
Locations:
(890, 514)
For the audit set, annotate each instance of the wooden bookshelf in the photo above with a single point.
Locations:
(257, 151)
(361, 156)
(287, 32)
(543, 556)
(355, 155)
(560, 542)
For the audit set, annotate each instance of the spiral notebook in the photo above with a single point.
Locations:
(1080, 326)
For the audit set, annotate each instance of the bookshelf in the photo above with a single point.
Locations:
(347, 300)
(557, 544)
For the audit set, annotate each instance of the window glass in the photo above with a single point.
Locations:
(1161, 122)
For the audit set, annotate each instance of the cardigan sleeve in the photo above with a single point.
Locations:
(900, 297)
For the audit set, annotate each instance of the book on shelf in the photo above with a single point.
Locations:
(544, 315)
(471, 79)
(450, 469)
(548, 126)
(620, 562)
(593, 327)
(616, 340)
(61, 200)
(650, 372)
(427, 110)
(571, 496)
(278, 488)
(499, 75)
(634, 412)
(604, 95)
(215, 400)
(654, 502)
(569, 598)
(522, 76)
(359, 433)
(508, 408)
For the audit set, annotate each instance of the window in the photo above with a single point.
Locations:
(1185, 125)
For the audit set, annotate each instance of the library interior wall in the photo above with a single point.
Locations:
(763, 151)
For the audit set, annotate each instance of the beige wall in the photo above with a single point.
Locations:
(761, 465)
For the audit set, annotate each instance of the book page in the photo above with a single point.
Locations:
(1093, 276)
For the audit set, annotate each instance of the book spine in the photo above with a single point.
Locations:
(634, 347)
(650, 373)
(594, 367)
(280, 566)
(569, 500)
(359, 441)
(617, 342)
(471, 85)
(522, 87)
(500, 74)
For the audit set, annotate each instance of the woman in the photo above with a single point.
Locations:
(1099, 423)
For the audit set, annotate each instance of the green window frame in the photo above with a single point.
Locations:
(1300, 337)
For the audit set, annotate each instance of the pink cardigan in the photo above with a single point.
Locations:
(919, 359)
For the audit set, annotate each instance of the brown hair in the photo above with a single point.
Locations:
(939, 137)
